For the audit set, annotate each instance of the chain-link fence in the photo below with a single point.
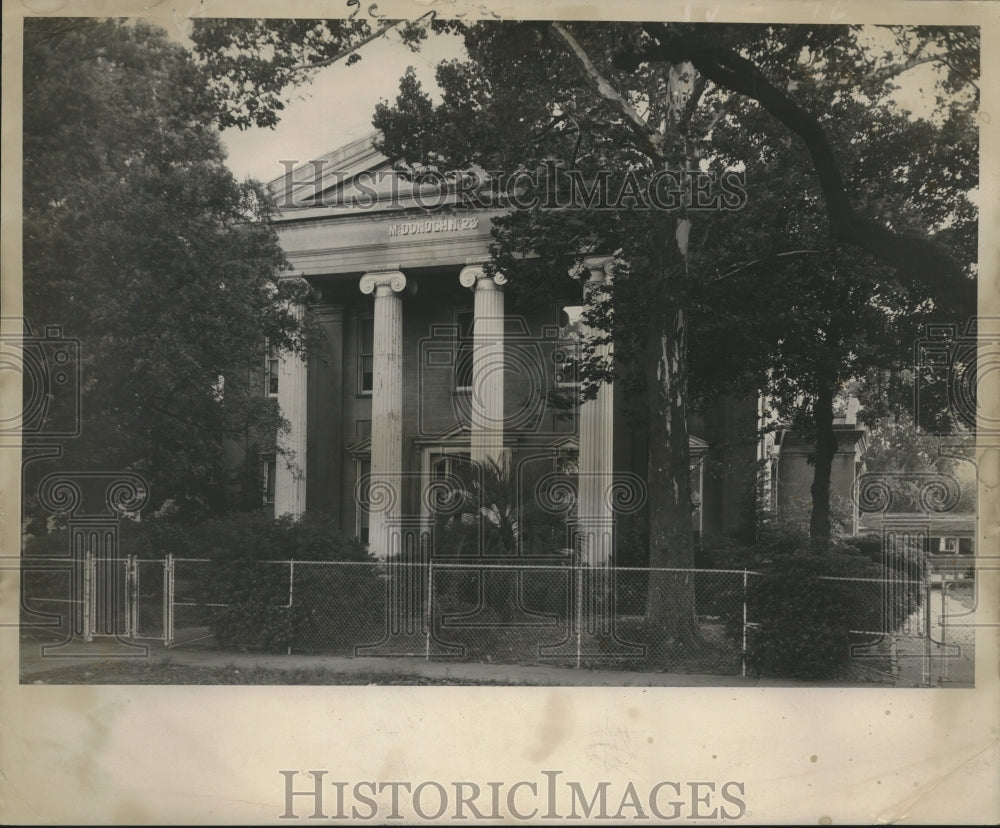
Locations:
(517, 611)
(52, 595)
(149, 608)
(534, 612)
(79, 596)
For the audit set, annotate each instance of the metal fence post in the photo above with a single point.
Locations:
(291, 594)
(888, 600)
(89, 595)
(926, 677)
(743, 648)
(579, 614)
(168, 595)
(429, 611)
(131, 597)
(945, 581)
(165, 596)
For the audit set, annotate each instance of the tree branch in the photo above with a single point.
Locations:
(691, 106)
(650, 140)
(748, 265)
(301, 67)
(887, 72)
(914, 257)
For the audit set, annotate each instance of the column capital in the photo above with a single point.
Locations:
(593, 269)
(475, 276)
(383, 282)
(296, 278)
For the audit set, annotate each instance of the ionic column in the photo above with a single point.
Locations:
(387, 407)
(487, 412)
(596, 460)
(290, 465)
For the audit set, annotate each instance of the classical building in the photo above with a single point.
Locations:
(427, 363)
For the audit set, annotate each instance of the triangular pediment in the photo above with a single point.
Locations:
(338, 171)
(355, 179)
(360, 448)
(453, 434)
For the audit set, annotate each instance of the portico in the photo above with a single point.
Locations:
(428, 362)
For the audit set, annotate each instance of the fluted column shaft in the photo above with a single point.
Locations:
(596, 459)
(387, 408)
(487, 408)
(290, 465)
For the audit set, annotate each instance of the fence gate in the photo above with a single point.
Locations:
(148, 593)
(109, 596)
(122, 597)
(927, 610)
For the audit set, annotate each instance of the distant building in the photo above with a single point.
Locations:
(790, 467)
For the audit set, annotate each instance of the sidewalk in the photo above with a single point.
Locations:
(34, 666)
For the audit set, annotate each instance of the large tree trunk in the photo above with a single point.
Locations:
(671, 541)
(826, 447)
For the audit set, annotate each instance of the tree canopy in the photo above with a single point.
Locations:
(853, 212)
(139, 242)
(799, 289)
(790, 72)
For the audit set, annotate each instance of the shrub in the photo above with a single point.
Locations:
(806, 598)
(238, 581)
(802, 622)
(254, 616)
(327, 601)
(248, 574)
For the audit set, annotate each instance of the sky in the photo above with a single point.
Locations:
(337, 107)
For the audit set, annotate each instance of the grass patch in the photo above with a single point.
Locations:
(165, 671)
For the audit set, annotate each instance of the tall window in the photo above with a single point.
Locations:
(566, 355)
(366, 354)
(271, 374)
(362, 519)
(772, 492)
(268, 468)
(464, 321)
(452, 464)
(451, 468)
(697, 485)
(568, 463)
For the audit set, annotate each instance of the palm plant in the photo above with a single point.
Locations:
(499, 517)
